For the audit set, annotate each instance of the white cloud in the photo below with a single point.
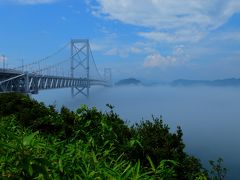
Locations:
(174, 37)
(157, 60)
(111, 47)
(123, 52)
(178, 57)
(3, 58)
(226, 36)
(97, 46)
(170, 20)
(112, 52)
(63, 18)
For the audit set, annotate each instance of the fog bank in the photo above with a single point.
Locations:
(209, 116)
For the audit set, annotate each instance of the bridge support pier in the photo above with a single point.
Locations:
(80, 54)
(84, 91)
(26, 82)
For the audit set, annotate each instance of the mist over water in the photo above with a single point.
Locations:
(208, 116)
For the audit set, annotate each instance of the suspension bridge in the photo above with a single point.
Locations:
(78, 72)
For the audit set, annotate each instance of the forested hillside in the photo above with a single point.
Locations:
(37, 142)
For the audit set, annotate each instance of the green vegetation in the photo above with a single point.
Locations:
(37, 142)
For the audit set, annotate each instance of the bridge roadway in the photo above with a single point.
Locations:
(18, 81)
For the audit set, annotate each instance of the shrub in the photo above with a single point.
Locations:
(38, 142)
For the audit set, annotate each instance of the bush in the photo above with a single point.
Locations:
(39, 142)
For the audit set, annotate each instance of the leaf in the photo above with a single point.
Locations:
(151, 163)
(10, 146)
(127, 171)
(138, 166)
(94, 157)
(91, 174)
(60, 165)
(28, 140)
(10, 134)
(110, 172)
(83, 171)
(30, 170)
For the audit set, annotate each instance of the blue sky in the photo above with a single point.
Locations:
(154, 40)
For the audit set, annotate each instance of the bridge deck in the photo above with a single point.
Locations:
(18, 81)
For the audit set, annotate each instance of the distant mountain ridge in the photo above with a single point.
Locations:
(234, 82)
(220, 82)
(129, 81)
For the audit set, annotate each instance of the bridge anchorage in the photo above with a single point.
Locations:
(36, 76)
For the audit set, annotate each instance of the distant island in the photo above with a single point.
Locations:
(221, 82)
(129, 81)
(232, 82)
